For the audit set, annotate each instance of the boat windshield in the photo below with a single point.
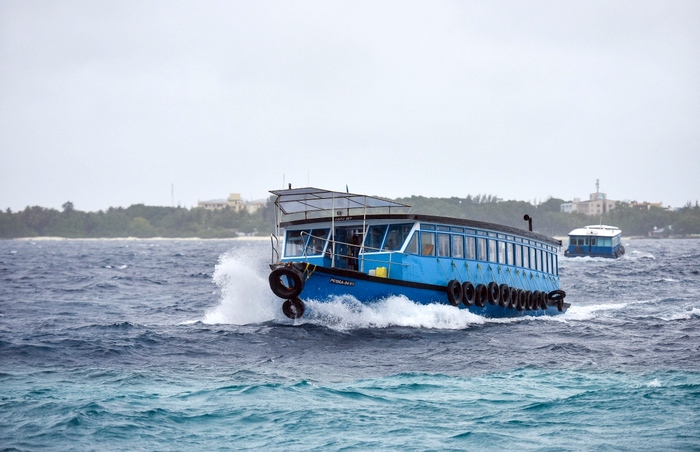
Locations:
(384, 237)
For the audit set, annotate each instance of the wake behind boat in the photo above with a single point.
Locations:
(328, 244)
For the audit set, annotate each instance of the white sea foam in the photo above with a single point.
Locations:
(245, 296)
(655, 383)
(578, 312)
(683, 315)
(348, 313)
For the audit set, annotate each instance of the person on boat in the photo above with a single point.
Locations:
(353, 252)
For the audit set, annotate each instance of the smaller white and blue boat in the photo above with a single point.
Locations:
(329, 244)
(595, 241)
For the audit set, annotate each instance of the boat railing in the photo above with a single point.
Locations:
(331, 244)
(275, 243)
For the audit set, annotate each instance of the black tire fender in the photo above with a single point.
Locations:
(293, 308)
(468, 293)
(522, 300)
(504, 300)
(455, 293)
(482, 295)
(494, 293)
(294, 281)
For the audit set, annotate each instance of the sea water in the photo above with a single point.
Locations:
(180, 345)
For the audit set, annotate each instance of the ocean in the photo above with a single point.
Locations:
(180, 345)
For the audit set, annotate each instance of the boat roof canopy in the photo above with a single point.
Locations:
(309, 199)
(600, 230)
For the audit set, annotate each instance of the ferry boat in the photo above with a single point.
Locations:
(595, 241)
(328, 244)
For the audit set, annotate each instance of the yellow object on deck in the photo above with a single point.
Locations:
(381, 272)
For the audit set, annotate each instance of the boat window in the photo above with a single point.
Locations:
(470, 231)
(593, 241)
(511, 253)
(540, 260)
(605, 242)
(501, 252)
(493, 254)
(443, 245)
(396, 236)
(443, 228)
(374, 239)
(428, 227)
(458, 246)
(518, 255)
(294, 245)
(427, 243)
(533, 258)
(458, 230)
(317, 241)
(470, 247)
(412, 247)
(481, 249)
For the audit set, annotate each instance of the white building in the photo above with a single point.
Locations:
(597, 204)
(233, 202)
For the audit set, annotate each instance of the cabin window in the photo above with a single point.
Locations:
(605, 242)
(428, 227)
(374, 239)
(396, 236)
(493, 254)
(518, 255)
(412, 247)
(533, 258)
(317, 241)
(458, 246)
(427, 243)
(470, 247)
(443, 228)
(526, 256)
(294, 245)
(443, 245)
(481, 249)
(593, 241)
(511, 253)
(459, 230)
(540, 260)
(501, 252)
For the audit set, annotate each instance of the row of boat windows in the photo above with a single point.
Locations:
(482, 249)
(594, 241)
(440, 241)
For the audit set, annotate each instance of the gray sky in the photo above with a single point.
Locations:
(109, 103)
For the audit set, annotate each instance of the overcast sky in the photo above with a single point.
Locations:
(112, 103)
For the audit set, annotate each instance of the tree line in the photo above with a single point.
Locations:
(178, 222)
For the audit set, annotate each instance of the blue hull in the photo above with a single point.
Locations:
(323, 284)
